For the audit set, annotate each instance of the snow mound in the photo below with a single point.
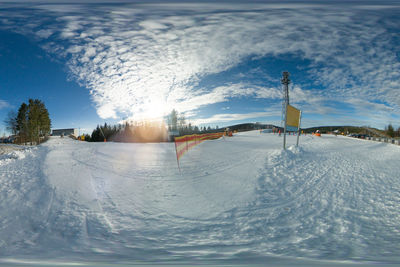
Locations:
(13, 155)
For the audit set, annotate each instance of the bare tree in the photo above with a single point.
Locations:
(11, 122)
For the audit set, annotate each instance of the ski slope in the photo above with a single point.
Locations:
(237, 200)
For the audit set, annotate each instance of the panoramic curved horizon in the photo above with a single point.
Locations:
(216, 63)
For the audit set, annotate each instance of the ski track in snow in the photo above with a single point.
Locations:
(333, 198)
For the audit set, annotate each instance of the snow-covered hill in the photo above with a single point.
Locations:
(241, 199)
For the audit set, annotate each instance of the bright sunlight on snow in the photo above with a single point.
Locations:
(332, 198)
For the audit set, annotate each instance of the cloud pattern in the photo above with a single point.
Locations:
(142, 60)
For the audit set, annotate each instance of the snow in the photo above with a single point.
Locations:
(234, 200)
(9, 153)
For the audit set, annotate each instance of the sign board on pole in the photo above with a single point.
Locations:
(293, 116)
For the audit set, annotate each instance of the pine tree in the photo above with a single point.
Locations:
(173, 121)
(32, 122)
(87, 138)
(390, 130)
(22, 123)
(38, 121)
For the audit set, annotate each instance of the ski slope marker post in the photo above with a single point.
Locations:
(292, 114)
(298, 130)
(177, 159)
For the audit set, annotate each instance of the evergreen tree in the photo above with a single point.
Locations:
(32, 122)
(87, 138)
(390, 130)
(173, 121)
(38, 120)
(96, 135)
(181, 124)
(22, 123)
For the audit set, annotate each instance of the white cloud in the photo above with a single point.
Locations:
(44, 33)
(4, 104)
(225, 93)
(145, 59)
(229, 117)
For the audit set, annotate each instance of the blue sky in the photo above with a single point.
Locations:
(218, 63)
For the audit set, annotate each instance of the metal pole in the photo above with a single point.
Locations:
(177, 159)
(285, 81)
(298, 131)
(284, 129)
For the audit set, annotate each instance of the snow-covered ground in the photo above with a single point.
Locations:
(236, 200)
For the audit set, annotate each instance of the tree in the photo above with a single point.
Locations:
(173, 120)
(97, 135)
(32, 122)
(11, 122)
(38, 120)
(22, 123)
(390, 130)
(181, 123)
(87, 138)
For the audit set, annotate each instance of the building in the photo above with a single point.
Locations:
(65, 132)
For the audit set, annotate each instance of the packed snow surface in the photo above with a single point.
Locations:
(242, 198)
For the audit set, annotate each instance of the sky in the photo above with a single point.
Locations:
(218, 63)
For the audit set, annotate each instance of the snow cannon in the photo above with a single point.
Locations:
(317, 133)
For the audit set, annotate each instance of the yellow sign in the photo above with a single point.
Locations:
(293, 116)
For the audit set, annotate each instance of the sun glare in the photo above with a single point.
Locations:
(154, 109)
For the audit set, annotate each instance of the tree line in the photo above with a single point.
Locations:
(177, 124)
(129, 132)
(31, 124)
(391, 132)
(147, 131)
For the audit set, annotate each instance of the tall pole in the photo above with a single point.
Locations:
(298, 131)
(285, 81)
(103, 134)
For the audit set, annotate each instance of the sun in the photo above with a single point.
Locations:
(154, 109)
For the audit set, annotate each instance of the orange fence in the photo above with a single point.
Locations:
(186, 142)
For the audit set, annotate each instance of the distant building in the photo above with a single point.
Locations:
(65, 132)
